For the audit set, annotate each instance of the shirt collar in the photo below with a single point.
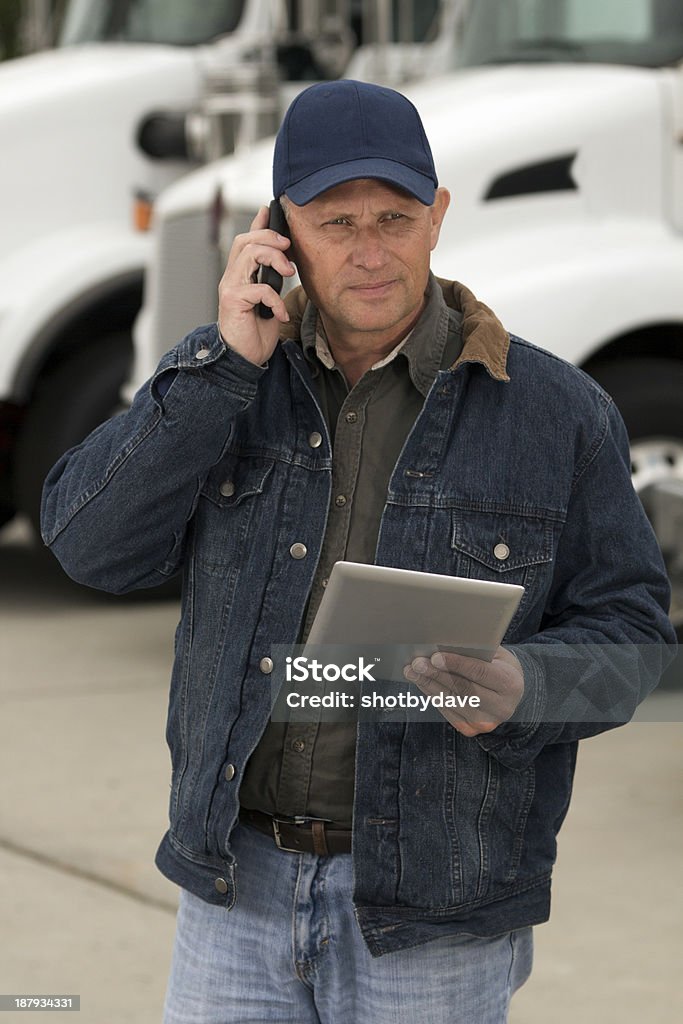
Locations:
(422, 347)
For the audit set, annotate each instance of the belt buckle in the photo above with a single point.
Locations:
(276, 833)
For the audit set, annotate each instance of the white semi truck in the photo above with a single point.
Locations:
(559, 132)
(137, 92)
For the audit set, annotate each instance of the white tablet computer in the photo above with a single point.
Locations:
(408, 613)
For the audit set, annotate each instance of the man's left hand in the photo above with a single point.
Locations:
(499, 684)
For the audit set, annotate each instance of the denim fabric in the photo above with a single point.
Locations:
(451, 835)
(291, 950)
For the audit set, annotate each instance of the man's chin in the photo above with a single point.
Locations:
(379, 314)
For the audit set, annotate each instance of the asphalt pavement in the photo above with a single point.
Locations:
(85, 775)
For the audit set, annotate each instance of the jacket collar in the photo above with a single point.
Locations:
(485, 340)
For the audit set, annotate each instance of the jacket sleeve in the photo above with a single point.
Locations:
(115, 508)
(606, 636)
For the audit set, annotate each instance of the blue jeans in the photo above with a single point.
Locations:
(290, 950)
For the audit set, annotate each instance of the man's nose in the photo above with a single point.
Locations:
(369, 250)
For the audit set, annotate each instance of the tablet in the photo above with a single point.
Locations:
(409, 613)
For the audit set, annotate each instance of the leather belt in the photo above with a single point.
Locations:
(305, 835)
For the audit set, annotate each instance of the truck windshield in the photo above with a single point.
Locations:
(174, 22)
(648, 33)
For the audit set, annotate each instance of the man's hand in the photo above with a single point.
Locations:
(499, 684)
(239, 293)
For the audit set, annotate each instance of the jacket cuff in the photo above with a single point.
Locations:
(514, 735)
(204, 351)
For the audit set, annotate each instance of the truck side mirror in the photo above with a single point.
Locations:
(163, 136)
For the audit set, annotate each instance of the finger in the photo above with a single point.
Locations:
(497, 675)
(469, 721)
(271, 299)
(425, 669)
(475, 669)
(254, 256)
(243, 269)
(264, 238)
(241, 301)
(261, 219)
(499, 683)
(490, 701)
(422, 669)
(449, 686)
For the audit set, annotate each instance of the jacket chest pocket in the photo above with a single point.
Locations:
(229, 507)
(506, 548)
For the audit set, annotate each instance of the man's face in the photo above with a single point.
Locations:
(362, 250)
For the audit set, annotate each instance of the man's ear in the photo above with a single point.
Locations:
(438, 209)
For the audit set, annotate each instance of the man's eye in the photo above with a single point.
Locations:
(338, 220)
(394, 216)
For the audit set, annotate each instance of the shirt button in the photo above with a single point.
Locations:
(229, 772)
(202, 353)
(351, 417)
(266, 666)
(315, 439)
(298, 745)
(221, 885)
(324, 582)
(227, 488)
(340, 500)
(298, 550)
(501, 551)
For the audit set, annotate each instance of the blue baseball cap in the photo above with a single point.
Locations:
(340, 131)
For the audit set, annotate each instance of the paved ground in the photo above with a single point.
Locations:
(84, 769)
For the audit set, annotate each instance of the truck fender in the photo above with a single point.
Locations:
(573, 289)
(46, 287)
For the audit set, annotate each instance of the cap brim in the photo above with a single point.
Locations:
(418, 185)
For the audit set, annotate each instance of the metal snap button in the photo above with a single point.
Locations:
(501, 551)
(351, 417)
(266, 666)
(298, 745)
(315, 439)
(298, 550)
(229, 772)
(340, 500)
(202, 353)
(227, 488)
(221, 885)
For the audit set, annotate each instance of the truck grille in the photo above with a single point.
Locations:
(183, 279)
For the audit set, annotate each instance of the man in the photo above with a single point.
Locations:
(383, 416)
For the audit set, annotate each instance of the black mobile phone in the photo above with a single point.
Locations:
(267, 275)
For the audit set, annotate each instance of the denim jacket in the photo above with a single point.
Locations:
(216, 469)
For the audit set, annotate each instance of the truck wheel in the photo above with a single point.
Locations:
(67, 404)
(649, 394)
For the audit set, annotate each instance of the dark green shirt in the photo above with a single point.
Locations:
(307, 768)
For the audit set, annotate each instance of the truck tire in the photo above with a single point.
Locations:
(67, 404)
(649, 394)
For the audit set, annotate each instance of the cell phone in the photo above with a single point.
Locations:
(267, 275)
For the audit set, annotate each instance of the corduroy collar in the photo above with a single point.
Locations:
(485, 340)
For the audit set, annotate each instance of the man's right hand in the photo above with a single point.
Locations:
(239, 294)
